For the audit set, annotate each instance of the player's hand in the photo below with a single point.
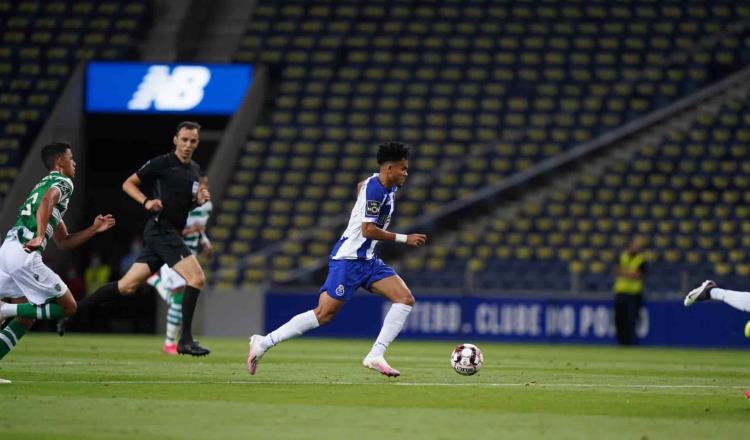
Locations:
(203, 196)
(33, 244)
(208, 251)
(416, 239)
(103, 222)
(192, 230)
(154, 205)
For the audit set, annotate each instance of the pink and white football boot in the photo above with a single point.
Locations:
(378, 363)
(170, 348)
(255, 354)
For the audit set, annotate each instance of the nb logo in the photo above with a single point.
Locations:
(177, 91)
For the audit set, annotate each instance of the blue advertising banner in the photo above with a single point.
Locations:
(663, 323)
(125, 87)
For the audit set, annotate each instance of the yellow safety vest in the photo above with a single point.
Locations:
(629, 285)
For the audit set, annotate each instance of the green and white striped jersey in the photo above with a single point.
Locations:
(25, 226)
(198, 216)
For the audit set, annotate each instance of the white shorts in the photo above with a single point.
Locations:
(24, 274)
(170, 279)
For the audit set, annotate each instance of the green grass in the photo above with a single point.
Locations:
(121, 387)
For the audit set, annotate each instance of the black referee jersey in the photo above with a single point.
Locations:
(175, 184)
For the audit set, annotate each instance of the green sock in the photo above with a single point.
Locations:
(46, 311)
(10, 336)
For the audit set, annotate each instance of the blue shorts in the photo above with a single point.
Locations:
(346, 276)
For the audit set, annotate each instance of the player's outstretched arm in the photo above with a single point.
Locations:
(131, 187)
(372, 232)
(49, 200)
(65, 241)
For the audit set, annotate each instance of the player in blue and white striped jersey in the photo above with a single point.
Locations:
(353, 263)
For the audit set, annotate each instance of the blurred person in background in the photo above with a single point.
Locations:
(75, 282)
(628, 288)
(127, 260)
(96, 274)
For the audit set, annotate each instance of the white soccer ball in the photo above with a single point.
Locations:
(467, 359)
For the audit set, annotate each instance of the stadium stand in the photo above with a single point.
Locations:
(482, 89)
(684, 194)
(42, 41)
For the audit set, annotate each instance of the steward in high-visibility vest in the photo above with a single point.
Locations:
(629, 278)
(628, 288)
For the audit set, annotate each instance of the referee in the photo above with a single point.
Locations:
(175, 191)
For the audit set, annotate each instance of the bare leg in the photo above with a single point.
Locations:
(396, 291)
(393, 288)
(299, 324)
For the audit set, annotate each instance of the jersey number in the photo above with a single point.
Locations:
(27, 209)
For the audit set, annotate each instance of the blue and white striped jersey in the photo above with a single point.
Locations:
(374, 205)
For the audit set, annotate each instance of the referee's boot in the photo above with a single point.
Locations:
(192, 348)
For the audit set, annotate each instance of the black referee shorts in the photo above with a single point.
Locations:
(162, 243)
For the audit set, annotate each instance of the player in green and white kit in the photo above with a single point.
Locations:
(34, 291)
(169, 283)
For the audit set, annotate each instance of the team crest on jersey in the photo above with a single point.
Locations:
(36, 277)
(65, 189)
(340, 290)
(373, 207)
(58, 287)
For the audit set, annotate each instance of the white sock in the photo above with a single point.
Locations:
(392, 325)
(172, 332)
(296, 326)
(8, 310)
(738, 300)
(174, 322)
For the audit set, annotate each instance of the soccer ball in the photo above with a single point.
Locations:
(467, 359)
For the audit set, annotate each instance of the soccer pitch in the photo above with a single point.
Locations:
(122, 387)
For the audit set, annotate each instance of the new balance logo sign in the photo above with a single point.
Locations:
(181, 90)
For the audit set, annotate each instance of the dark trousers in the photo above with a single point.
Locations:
(626, 317)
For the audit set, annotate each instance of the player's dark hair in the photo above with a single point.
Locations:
(392, 152)
(51, 152)
(190, 125)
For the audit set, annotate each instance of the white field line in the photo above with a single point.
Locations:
(407, 384)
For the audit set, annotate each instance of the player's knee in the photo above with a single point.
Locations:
(406, 298)
(198, 280)
(324, 316)
(126, 288)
